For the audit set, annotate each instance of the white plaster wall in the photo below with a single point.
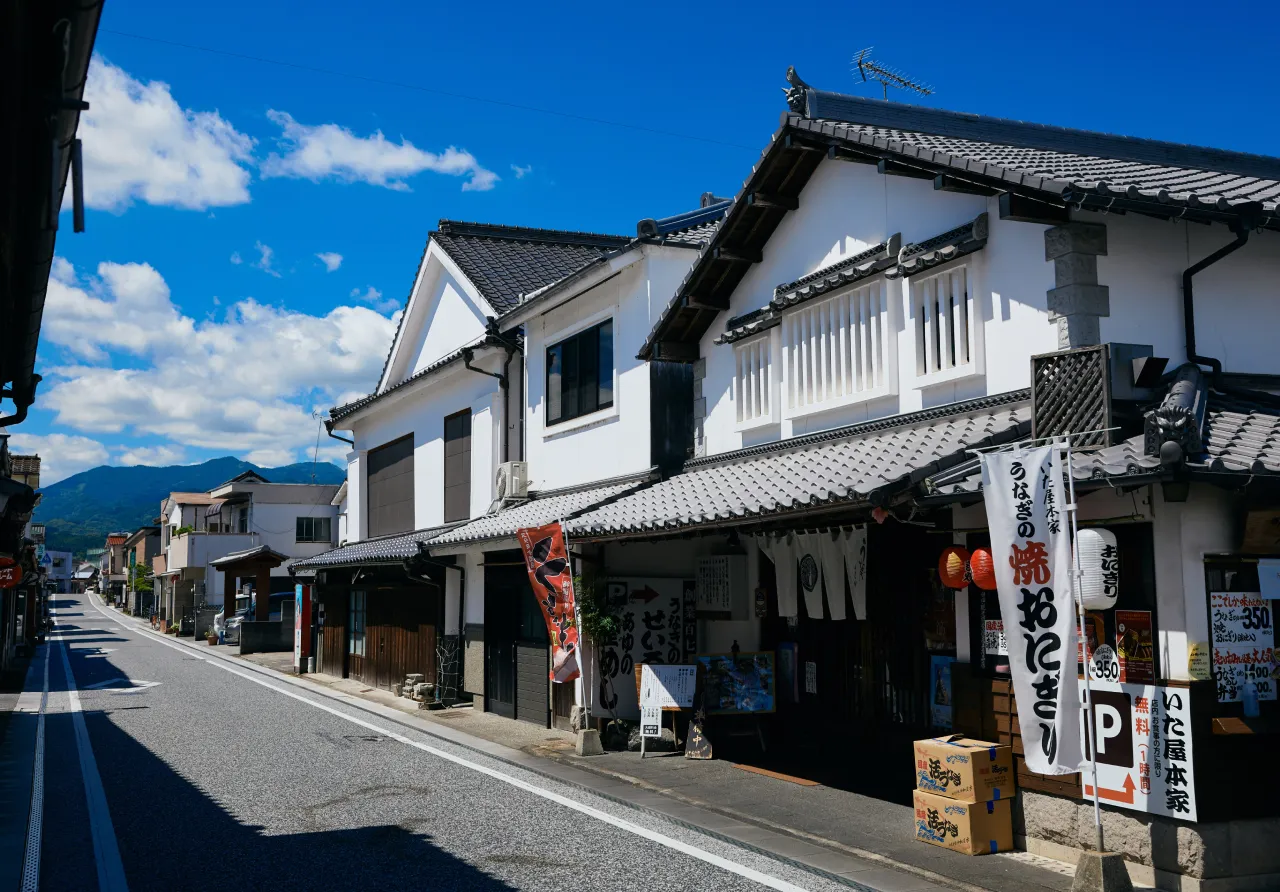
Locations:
(486, 447)
(444, 313)
(277, 526)
(421, 412)
(1235, 298)
(616, 441)
(357, 525)
(847, 208)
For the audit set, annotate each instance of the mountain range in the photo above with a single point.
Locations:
(81, 510)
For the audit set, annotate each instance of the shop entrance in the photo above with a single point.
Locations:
(517, 655)
(390, 633)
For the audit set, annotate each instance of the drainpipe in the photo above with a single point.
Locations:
(1241, 229)
(504, 385)
(328, 429)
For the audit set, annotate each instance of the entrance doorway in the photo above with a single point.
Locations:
(517, 654)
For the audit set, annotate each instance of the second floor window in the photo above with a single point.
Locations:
(580, 374)
(457, 466)
(314, 529)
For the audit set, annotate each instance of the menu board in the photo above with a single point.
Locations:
(1243, 644)
(1135, 646)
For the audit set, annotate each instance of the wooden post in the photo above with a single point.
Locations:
(228, 596)
(262, 587)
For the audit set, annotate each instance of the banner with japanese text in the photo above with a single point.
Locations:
(1030, 544)
(547, 560)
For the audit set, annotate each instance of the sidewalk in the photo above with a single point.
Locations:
(858, 841)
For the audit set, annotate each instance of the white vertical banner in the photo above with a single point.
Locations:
(855, 563)
(1031, 548)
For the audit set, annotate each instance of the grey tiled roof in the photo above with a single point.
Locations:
(1052, 159)
(382, 550)
(556, 505)
(841, 467)
(506, 262)
(1241, 435)
(257, 551)
(337, 413)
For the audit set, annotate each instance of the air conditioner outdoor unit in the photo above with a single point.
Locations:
(512, 481)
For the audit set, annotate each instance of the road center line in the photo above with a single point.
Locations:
(35, 821)
(106, 851)
(661, 839)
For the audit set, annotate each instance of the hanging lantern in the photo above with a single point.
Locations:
(1099, 568)
(953, 567)
(982, 569)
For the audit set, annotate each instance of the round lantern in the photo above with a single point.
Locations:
(1099, 568)
(953, 567)
(982, 569)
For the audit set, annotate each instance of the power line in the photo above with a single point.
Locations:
(421, 89)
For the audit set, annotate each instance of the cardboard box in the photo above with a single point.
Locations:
(964, 769)
(973, 828)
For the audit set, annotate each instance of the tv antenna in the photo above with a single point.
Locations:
(870, 70)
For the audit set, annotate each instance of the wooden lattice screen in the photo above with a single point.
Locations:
(1071, 394)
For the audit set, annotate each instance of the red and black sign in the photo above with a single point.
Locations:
(10, 572)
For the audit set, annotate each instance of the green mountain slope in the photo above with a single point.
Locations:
(79, 511)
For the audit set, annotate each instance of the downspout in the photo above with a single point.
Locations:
(1241, 228)
(504, 384)
(328, 428)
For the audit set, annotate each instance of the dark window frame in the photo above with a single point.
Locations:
(462, 511)
(584, 370)
(313, 524)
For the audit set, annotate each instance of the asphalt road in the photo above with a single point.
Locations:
(214, 777)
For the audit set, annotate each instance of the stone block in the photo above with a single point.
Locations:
(700, 408)
(1083, 330)
(1073, 268)
(1078, 238)
(699, 369)
(578, 718)
(414, 677)
(588, 743)
(1050, 817)
(1204, 850)
(1079, 298)
(1253, 847)
(697, 388)
(1126, 832)
(1101, 872)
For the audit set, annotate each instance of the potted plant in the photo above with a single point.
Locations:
(211, 637)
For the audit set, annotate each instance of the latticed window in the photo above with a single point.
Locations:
(946, 338)
(839, 350)
(754, 400)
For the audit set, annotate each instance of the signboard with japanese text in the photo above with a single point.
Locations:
(721, 584)
(546, 557)
(650, 721)
(1143, 738)
(1241, 624)
(657, 625)
(10, 572)
(1030, 545)
(667, 687)
(993, 640)
(1135, 646)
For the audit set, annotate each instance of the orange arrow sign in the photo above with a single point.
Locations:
(1125, 796)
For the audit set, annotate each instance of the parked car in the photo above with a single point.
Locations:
(244, 607)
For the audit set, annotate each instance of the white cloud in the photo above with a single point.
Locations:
(373, 297)
(243, 382)
(522, 172)
(265, 257)
(236, 259)
(61, 455)
(271, 458)
(329, 150)
(331, 260)
(141, 145)
(156, 456)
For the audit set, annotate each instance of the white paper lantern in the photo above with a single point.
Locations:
(1100, 568)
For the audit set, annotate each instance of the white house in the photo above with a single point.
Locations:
(297, 520)
(895, 286)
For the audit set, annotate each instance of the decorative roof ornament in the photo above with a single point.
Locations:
(796, 92)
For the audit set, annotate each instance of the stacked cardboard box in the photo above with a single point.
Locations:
(963, 788)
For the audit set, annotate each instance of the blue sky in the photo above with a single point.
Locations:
(196, 317)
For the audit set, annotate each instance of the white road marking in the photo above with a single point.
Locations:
(129, 684)
(35, 820)
(106, 851)
(684, 848)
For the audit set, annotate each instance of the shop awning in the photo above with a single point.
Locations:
(214, 508)
(849, 466)
(382, 550)
(561, 504)
(258, 552)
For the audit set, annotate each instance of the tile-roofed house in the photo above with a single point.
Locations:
(377, 550)
(837, 469)
(1067, 169)
(507, 262)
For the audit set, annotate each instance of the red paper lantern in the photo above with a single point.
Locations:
(982, 569)
(953, 567)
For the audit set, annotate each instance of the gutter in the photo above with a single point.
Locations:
(1241, 228)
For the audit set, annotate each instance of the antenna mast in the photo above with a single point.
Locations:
(870, 70)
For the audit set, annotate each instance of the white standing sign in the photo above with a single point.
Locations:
(650, 721)
(1030, 544)
(1143, 735)
(667, 687)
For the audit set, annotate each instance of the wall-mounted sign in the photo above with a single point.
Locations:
(667, 687)
(1243, 644)
(1143, 738)
(10, 572)
(1135, 646)
(1200, 661)
(993, 640)
(721, 581)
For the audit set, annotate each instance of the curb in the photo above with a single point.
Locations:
(424, 727)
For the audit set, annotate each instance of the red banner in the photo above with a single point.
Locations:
(547, 559)
(10, 572)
